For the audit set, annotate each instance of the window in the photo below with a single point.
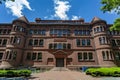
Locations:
(35, 42)
(10, 55)
(113, 43)
(30, 42)
(85, 56)
(79, 56)
(118, 42)
(14, 55)
(18, 40)
(50, 46)
(4, 42)
(88, 42)
(83, 42)
(103, 54)
(117, 55)
(28, 56)
(64, 46)
(69, 46)
(39, 56)
(78, 42)
(90, 56)
(41, 42)
(107, 54)
(1, 55)
(0, 41)
(59, 46)
(34, 56)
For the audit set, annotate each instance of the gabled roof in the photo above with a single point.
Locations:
(23, 18)
(96, 19)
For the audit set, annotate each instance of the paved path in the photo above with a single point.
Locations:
(65, 74)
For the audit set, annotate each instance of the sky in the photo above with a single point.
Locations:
(54, 10)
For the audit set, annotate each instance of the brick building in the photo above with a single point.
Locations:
(60, 43)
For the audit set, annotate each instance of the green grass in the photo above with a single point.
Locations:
(113, 71)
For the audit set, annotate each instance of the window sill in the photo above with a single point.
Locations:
(85, 46)
(108, 60)
(86, 60)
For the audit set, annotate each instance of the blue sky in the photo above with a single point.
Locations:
(54, 9)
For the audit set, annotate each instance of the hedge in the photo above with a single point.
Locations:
(113, 71)
(15, 73)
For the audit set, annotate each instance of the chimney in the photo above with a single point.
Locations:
(37, 20)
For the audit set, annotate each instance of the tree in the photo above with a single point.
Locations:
(112, 5)
(1, 1)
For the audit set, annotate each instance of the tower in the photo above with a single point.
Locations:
(102, 42)
(14, 49)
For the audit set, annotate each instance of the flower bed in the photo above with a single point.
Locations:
(113, 71)
(15, 73)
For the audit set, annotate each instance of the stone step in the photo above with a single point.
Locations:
(60, 69)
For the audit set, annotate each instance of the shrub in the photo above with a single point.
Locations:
(14, 73)
(114, 71)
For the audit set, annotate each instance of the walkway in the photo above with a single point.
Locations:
(65, 74)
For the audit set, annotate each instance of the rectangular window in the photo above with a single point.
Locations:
(88, 42)
(0, 41)
(118, 42)
(69, 46)
(90, 56)
(14, 55)
(83, 42)
(50, 46)
(35, 42)
(1, 55)
(39, 56)
(28, 56)
(64, 46)
(34, 56)
(4, 42)
(30, 42)
(41, 42)
(78, 42)
(85, 56)
(79, 56)
(104, 56)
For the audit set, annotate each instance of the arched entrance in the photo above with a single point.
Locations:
(60, 57)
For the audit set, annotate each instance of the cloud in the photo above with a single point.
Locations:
(17, 6)
(115, 11)
(75, 17)
(61, 8)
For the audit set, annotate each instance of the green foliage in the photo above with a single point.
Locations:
(15, 73)
(116, 25)
(109, 5)
(114, 71)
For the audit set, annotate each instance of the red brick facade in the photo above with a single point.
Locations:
(61, 43)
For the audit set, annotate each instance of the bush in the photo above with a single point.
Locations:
(14, 73)
(114, 71)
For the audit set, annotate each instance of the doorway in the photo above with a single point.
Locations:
(59, 62)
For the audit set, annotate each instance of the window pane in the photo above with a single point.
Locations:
(90, 56)
(28, 56)
(39, 56)
(4, 42)
(14, 55)
(1, 55)
(50, 46)
(78, 42)
(103, 54)
(35, 42)
(79, 56)
(88, 42)
(34, 56)
(30, 42)
(41, 42)
(85, 56)
(83, 42)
